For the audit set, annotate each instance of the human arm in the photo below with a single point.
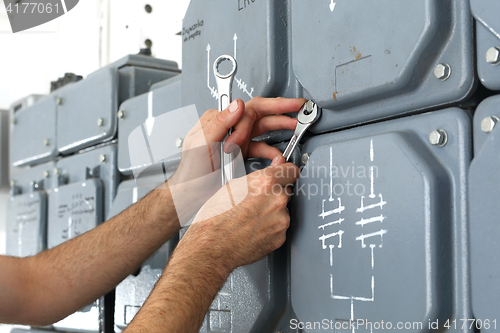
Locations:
(212, 248)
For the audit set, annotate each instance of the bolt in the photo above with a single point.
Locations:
(488, 123)
(438, 138)
(493, 55)
(56, 171)
(103, 158)
(179, 142)
(100, 122)
(59, 101)
(46, 142)
(14, 121)
(442, 72)
(12, 183)
(309, 108)
(304, 158)
(121, 114)
(46, 174)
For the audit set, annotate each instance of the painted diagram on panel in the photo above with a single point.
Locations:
(368, 225)
(242, 85)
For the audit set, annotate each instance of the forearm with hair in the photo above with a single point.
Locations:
(183, 294)
(64, 279)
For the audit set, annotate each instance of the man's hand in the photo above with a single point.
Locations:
(198, 176)
(212, 248)
(243, 234)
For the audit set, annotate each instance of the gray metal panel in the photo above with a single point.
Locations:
(488, 35)
(73, 210)
(82, 105)
(33, 133)
(133, 291)
(364, 61)
(255, 33)
(95, 100)
(484, 182)
(26, 227)
(79, 167)
(158, 102)
(380, 224)
(135, 81)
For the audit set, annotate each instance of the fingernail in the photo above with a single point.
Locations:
(275, 160)
(233, 107)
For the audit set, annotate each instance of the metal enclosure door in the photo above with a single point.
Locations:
(379, 225)
(152, 111)
(362, 61)
(255, 33)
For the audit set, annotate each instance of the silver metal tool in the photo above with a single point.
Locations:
(306, 117)
(224, 88)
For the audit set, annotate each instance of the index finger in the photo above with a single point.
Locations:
(267, 106)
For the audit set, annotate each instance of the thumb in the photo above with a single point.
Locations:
(217, 127)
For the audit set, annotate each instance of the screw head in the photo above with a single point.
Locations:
(438, 138)
(46, 174)
(103, 158)
(100, 122)
(304, 158)
(121, 114)
(59, 101)
(14, 121)
(488, 123)
(493, 55)
(179, 142)
(46, 142)
(442, 72)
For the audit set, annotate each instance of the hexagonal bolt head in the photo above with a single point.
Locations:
(488, 123)
(304, 158)
(59, 101)
(100, 122)
(438, 138)
(46, 174)
(493, 55)
(12, 183)
(179, 142)
(442, 72)
(121, 114)
(46, 142)
(103, 158)
(309, 108)
(56, 171)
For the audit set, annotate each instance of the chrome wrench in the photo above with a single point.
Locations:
(224, 88)
(306, 117)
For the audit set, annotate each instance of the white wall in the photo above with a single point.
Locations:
(93, 34)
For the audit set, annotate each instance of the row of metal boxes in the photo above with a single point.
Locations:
(390, 220)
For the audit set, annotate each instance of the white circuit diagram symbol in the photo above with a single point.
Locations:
(371, 215)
